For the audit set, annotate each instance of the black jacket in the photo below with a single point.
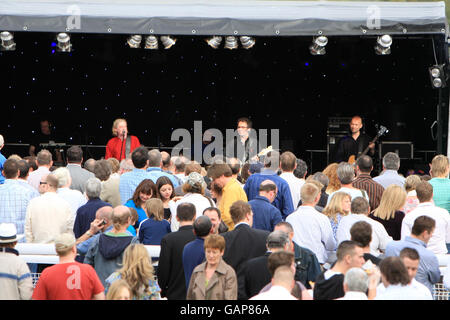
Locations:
(256, 276)
(330, 289)
(170, 270)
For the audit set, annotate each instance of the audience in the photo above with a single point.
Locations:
(389, 175)
(439, 171)
(216, 219)
(331, 172)
(155, 227)
(24, 173)
(356, 284)
(119, 289)
(166, 192)
(155, 167)
(346, 175)
(412, 202)
(364, 166)
(288, 164)
(143, 192)
(265, 215)
(337, 208)
(361, 232)
(282, 285)
(109, 182)
(44, 162)
(74, 197)
(79, 175)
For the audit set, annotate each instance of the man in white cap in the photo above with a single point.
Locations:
(68, 280)
(15, 277)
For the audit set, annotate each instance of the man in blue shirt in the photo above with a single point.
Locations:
(154, 168)
(391, 164)
(428, 272)
(2, 159)
(283, 200)
(265, 215)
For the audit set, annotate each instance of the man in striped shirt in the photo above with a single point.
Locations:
(364, 181)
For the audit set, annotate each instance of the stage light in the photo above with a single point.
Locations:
(383, 46)
(318, 46)
(214, 42)
(231, 43)
(437, 76)
(134, 41)
(168, 41)
(7, 41)
(64, 44)
(247, 42)
(151, 42)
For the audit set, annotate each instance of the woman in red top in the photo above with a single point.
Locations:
(117, 144)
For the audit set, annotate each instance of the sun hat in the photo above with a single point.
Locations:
(8, 233)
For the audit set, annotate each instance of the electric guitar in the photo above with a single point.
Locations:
(382, 131)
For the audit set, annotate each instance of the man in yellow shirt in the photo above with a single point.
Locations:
(221, 175)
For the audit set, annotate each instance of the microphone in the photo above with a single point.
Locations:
(123, 133)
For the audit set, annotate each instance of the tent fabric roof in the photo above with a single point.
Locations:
(213, 17)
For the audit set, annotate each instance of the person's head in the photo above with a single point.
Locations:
(286, 227)
(202, 226)
(119, 290)
(195, 183)
(74, 154)
(2, 142)
(345, 173)
(268, 189)
(364, 164)
(102, 169)
(350, 254)
(154, 208)
(411, 182)
(44, 158)
(63, 176)
(243, 126)
(119, 126)
(280, 258)
(105, 213)
(45, 126)
(241, 211)
(65, 245)
(121, 218)
(392, 200)
(214, 216)
(220, 174)
(272, 160)
(134, 216)
(164, 188)
(424, 191)
(331, 172)
(214, 246)
(180, 164)
(356, 124)
(360, 205)
(320, 177)
(393, 272)
(89, 164)
(356, 280)
(93, 188)
(245, 172)
(277, 240)
(140, 158)
(288, 161)
(11, 169)
(24, 169)
(235, 166)
(15, 157)
(166, 160)
(423, 228)
(126, 165)
(339, 203)
(144, 191)
(137, 269)
(155, 158)
(31, 162)
(391, 161)
(186, 213)
(301, 169)
(284, 277)
(439, 166)
(192, 166)
(410, 258)
(361, 232)
(51, 182)
(114, 164)
(8, 235)
(309, 194)
(43, 187)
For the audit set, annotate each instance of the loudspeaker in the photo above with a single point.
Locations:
(332, 142)
(404, 149)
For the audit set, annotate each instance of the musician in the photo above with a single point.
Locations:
(122, 145)
(355, 143)
(49, 136)
(244, 146)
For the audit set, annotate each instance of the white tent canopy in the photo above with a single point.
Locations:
(209, 17)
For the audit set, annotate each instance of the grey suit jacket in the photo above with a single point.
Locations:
(79, 176)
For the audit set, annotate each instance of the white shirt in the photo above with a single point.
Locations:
(200, 202)
(295, 185)
(380, 237)
(354, 295)
(275, 293)
(312, 230)
(354, 193)
(34, 179)
(446, 280)
(441, 235)
(74, 197)
(414, 291)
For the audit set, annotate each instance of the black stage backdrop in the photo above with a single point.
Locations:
(277, 83)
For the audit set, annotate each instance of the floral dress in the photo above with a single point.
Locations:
(335, 224)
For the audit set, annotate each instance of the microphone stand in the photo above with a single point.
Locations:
(121, 147)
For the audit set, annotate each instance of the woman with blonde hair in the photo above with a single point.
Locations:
(338, 207)
(411, 198)
(119, 290)
(137, 271)
(155, 227)
(122, 145)
(331, 172)
(389, 212)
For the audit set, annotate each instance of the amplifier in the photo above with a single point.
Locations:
(338, 125)
(404, 149)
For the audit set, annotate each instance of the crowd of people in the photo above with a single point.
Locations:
(265, 229)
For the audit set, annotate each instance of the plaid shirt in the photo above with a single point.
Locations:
(14, 199)
(374, 189)
(129, 182)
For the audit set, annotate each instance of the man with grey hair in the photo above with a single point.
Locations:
(346, 175)
(89, 165)
(179, 164)
(110, 183)
(256, 271)
(389, 175)
(79, 175)
(356, 284)
(126, 165)
(155, 166)
(74, 197)
(2, 159)
(44, 162)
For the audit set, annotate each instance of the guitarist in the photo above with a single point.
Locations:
(352, 146)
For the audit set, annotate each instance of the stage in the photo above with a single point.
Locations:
(277, 83)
